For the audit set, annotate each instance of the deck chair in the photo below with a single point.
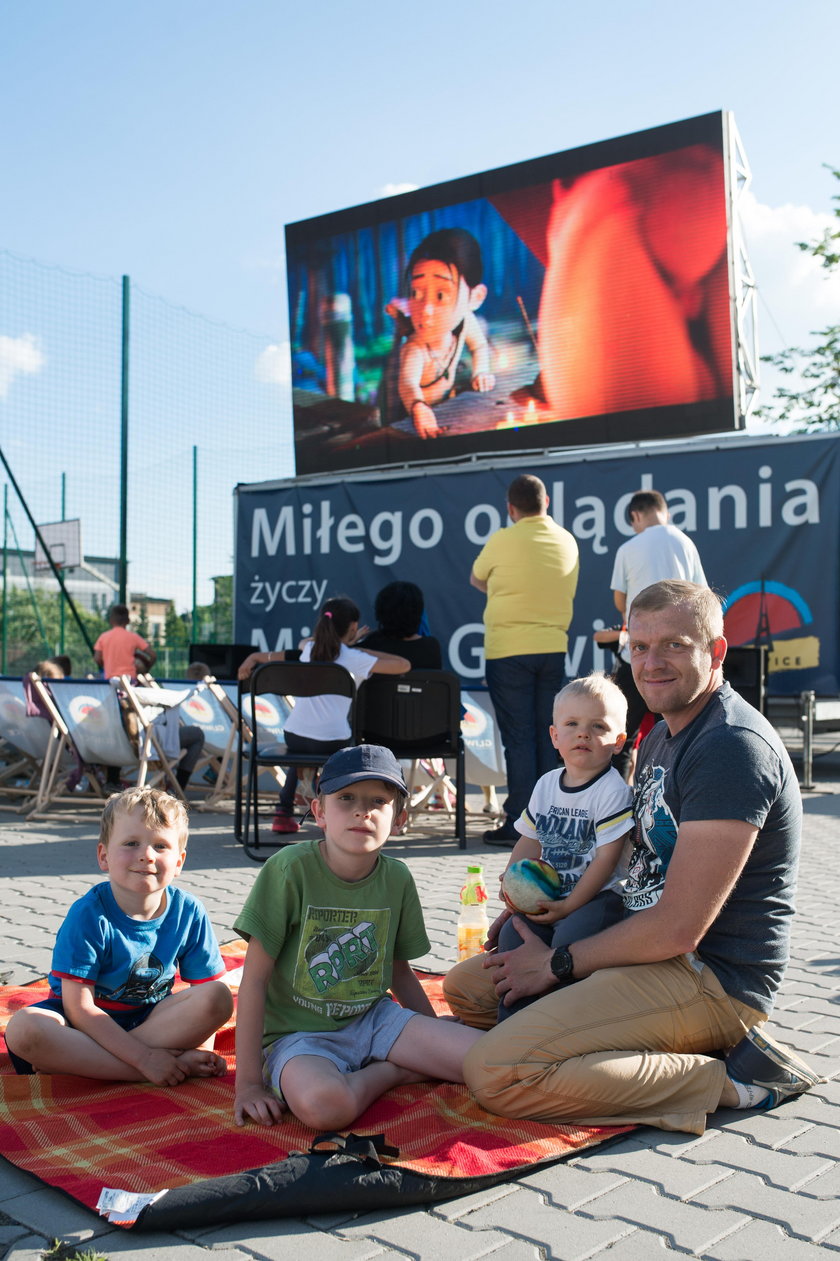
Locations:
(60, 756)
(28, 744)
(417, 716)
(90, 713)
(289, 680)
(156, 712)
(224, 760)
(203, 709)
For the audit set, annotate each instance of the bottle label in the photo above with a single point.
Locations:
(471, 939)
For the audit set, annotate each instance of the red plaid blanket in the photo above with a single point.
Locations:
(81, 1135)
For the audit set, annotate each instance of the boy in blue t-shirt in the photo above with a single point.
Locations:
(111, 1013)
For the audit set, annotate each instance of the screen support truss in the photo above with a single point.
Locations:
(742, 287)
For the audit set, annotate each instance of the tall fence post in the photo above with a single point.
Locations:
(61, 624)
(123, 564)
(3, 658)
(194, 635)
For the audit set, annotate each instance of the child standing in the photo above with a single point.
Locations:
(119, 651)
(331, 925)
(111, 1013)
(577, 819)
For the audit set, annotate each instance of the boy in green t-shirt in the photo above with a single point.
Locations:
(330, 926)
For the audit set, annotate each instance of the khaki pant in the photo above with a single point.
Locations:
(626, 1046)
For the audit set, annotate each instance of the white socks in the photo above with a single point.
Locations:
(749, 1096)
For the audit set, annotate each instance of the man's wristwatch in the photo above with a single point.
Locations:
(562, 964)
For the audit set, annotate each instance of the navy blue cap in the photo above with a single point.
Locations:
(359, 762)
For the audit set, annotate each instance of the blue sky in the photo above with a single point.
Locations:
(172, 139)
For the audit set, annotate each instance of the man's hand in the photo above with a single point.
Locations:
(524, 972)
(495, 928)
(259, 1104)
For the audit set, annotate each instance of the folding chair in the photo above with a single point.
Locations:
(229, 771)
(156, 712)
(291, 680)
(28, 741)
(90, 714)
(417, 715)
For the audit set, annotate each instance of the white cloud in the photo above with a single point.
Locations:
(274, 365)
(18, 356)
(393, 190)
(794, 288)
(796, 294)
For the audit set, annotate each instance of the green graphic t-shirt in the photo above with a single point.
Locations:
(333, 942)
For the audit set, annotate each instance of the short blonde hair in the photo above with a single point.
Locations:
(159, 809)
(599, 687)
(701, 602)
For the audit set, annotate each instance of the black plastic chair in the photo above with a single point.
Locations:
(417, 715)
(283, 678)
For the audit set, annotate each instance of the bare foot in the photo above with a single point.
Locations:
(202, 1063)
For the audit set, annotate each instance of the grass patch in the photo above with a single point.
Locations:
(59, 1251)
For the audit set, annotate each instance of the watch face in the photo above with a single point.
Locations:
(562, 963)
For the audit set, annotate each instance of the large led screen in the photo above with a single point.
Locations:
(572, 300)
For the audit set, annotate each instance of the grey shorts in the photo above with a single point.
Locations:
(368, 1037)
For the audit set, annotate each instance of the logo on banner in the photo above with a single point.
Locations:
(87, 709)
(474, 722)
(198, 709)
(754, 610)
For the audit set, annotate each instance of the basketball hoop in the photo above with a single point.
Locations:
(63, 539)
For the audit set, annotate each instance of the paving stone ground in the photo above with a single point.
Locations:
(755, 1186)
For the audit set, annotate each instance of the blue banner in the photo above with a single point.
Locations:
(763, 513)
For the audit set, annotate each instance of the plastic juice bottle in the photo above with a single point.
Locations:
(472, 922)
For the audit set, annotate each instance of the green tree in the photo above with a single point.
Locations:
(32, 631)
(143, 620)
(215, 621)
(176, 629)
(813, 404)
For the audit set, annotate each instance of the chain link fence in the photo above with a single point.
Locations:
(207, 406)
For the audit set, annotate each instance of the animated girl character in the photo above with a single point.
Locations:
(445, 290)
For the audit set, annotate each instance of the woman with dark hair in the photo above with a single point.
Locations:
(320, 724)
(399, 614)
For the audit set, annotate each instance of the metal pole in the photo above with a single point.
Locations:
(56, 571)
(61, 602)
(807, 703)
(123, 561)
(5, 575)
(194, 636)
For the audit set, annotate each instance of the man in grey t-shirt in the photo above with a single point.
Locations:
(693, 968)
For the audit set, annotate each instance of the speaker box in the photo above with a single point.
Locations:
(223, 659)
(745, 669)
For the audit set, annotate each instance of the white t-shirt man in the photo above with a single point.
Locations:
(657, 552)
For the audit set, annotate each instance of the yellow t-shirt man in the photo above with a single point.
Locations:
(530, 570)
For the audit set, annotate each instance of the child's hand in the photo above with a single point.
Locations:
(423, 419)
(258, 1104)
(551, 912)
(483, 382)
(162, 1068)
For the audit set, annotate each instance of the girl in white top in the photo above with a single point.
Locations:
(320, 724)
